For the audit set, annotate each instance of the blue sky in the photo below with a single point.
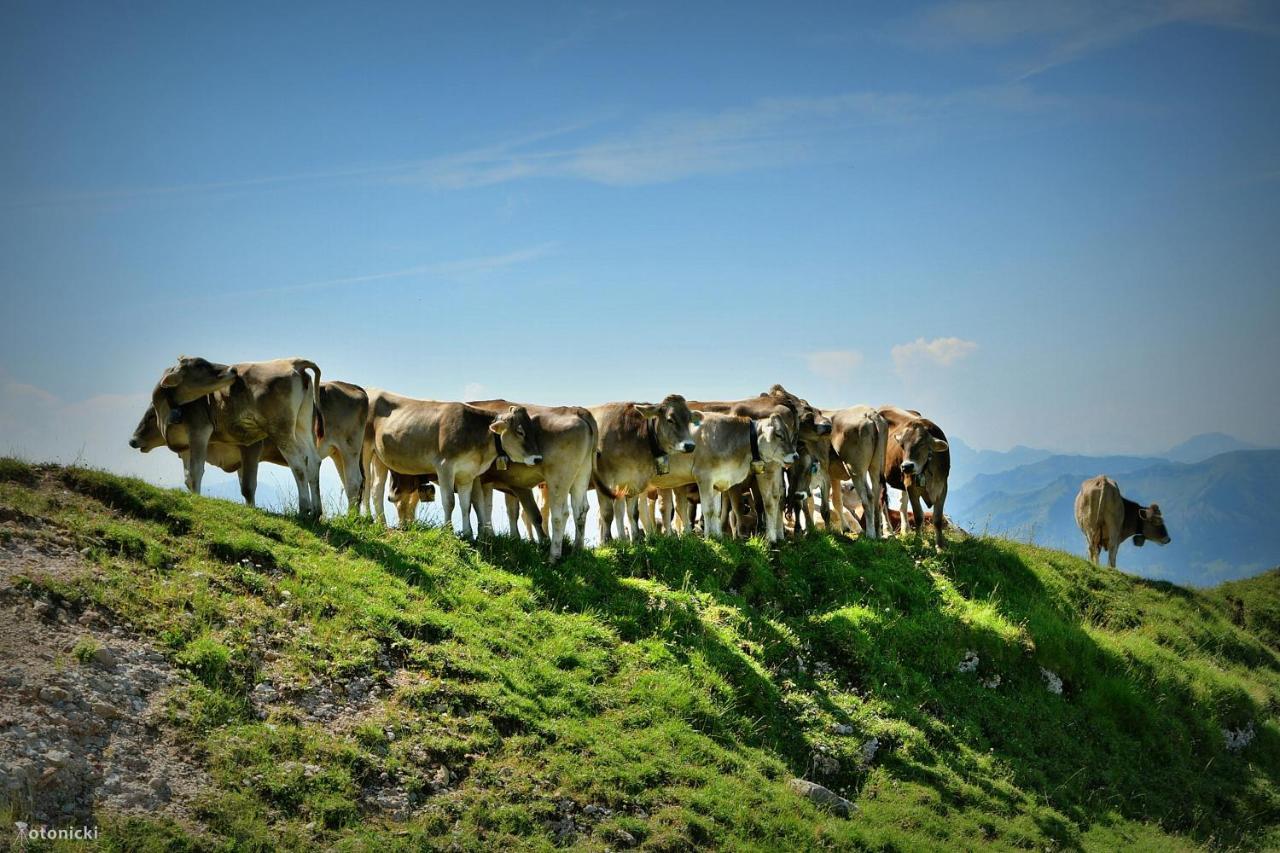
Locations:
(1040, 223)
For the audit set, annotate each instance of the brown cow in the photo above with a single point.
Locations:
(917, 462)
(248, 404)
(455, 441)
(343, 406)
(568, 438)
(1107, 518)
(859, 444)
(636, 443)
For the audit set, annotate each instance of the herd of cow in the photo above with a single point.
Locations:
(754, 464)
(751, 465)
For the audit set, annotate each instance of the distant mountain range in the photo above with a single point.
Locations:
(1219, 508)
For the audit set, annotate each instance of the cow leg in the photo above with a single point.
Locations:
(446, 484)
(558, 510)
(633, 516)
(712, 511)
(249, 472)
(197, 452)
(513, 513)
(648, 522)
(464, 505)
(578, 495)
(917, 512)
(296, 457)
(1092, 545)
(534, 514)
(770, 485)
(940, 521)
(605, 511)
(352, 478)
(378, 474)
(870, 506)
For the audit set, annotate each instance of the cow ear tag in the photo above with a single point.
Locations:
(664, 463)
(757, 466)
(1139, 539)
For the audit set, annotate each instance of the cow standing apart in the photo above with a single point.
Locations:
(637, 443)
(859, 444)
(917, 462)
(344, 408)
(454, 441)
(1107, 518)
(567, 436)
(248, 405)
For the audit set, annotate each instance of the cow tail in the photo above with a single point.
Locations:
(317, 416)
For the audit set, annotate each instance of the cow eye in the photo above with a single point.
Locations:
(520, 431)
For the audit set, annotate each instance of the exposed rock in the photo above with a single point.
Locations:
(824, 797)
(970, 662)
(1052, 682)
(1237, 739)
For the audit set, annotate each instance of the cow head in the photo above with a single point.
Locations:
(809, 420)
(777, 443)
(147, 435)
(1151, 526)
(673, 422)
(519, 435)
(918, 446)
(193, 377)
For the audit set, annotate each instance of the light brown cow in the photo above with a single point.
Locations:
(802, 420)
(637, 442)
(917, 462)
(729, 448)
(567, 436)
(455, 441)
(859, 442)
(1107, 518)
(249, 404)
(344, 407)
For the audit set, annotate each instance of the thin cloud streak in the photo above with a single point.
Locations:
(1060, 33)
(455, 268)
(769, 133)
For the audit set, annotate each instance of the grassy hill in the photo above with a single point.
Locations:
(662, 695)
(1218, 511)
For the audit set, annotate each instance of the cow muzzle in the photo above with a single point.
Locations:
(134, 443)
(534, 460)
(824, 429)
(790, 458)
(908, 467)
(687, 446)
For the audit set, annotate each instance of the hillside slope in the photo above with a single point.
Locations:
(1219, 513)
(344, 685)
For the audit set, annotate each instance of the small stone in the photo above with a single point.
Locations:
(825, 797)
(57, 757)
(622, 838)
(104, 657)
(105, 710)
(841, 729)
(53, 695)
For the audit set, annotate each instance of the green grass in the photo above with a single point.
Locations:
(680, 684)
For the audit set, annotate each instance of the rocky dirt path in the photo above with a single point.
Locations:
(81, 698)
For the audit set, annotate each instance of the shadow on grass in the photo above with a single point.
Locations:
(1129, 735)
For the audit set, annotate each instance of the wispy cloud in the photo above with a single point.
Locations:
(836, 365)
(767, 133)
(452, 269)
(1055, 33)
(942, 352)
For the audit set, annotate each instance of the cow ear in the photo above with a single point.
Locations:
(648, 410)
(1144, 513)
(499, 426)
(940, 446)
(170, 379)
(696, 418)
(1155, 509)
(900, 435)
